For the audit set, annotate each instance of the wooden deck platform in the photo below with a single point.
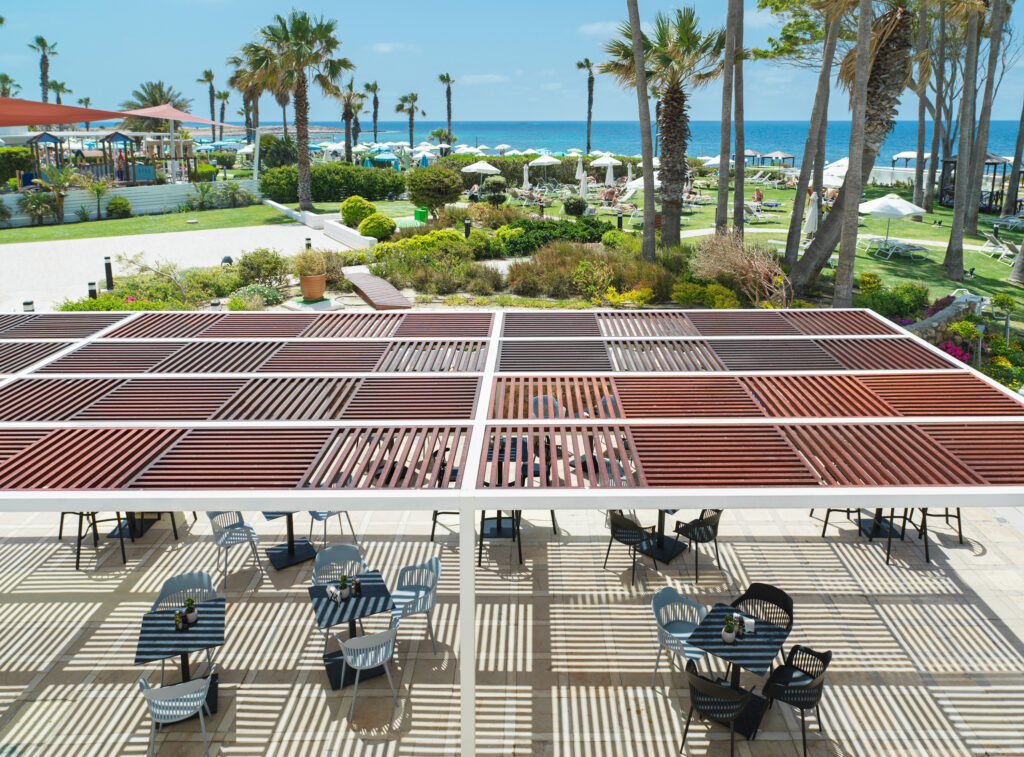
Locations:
(377, 293)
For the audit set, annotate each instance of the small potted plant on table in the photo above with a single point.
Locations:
(311, 268)
(729, 630)
(191, 614)
(345, 591)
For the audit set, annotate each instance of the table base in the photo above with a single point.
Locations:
(281, 557)
(491, 530)
(142, 525)
(876, 529)
(666, 553)
(333, 662)
(750, 719)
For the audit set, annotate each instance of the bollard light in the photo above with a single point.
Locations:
(540, 205)
(226, 260)
(92, 290)
(109, 270)
(467, 224)
(28, 306)
(619, 220)
(309, 243)
(214, 304)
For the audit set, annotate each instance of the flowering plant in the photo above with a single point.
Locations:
(958, 352)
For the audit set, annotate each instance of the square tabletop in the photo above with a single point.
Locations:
(753, 651)
(375, 598)
(159, 640)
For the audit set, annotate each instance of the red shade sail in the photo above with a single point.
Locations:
(171, 113)
(15, 112)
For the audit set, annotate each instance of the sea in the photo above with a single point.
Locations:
(623, 137)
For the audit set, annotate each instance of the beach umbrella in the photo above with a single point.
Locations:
(502, 147)
(385, 157)
(545, 161)
(247, 150)
(656, 162)
(629, 172)
(355, 148)
(609, 163)
(531, 151)
(481, 167)
(526, 176)
(834, 174)
(583, 185)
(889, 207)
(482, 147)
(443, 145)
(811, 215)
(638, 183)
(513, 152)
(574, 149)
(423, 161)
(367, 163)
(580, 173)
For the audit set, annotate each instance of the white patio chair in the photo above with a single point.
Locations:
(993, 245)
(325, 515)
(677, 618)
(172, 704)
(336, 561)
(416, 593)
(365, 652)
(230, 529)
(176, 589)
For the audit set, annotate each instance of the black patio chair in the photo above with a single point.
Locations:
(91, 522)
(703, 530)
(852, 514)
(922, 530)
(714, 701)
(769, 603)
(625, 531)
(799, 683)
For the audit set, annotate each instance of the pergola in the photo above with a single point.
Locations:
(475, 410)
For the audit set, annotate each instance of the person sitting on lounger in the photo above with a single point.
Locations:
(608, 195)
(474, 193)
(758, 195)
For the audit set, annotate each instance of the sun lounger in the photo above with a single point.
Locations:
(887, 249)
(753, 214)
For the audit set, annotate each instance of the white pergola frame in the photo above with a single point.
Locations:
(469, 499)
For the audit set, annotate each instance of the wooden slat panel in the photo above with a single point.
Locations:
(836, 322)
(293, 399)
(259, 324)
(163, 400)
(554, 356)
(523, 397)
(17, 356)
(85, 458)
(361, 325)
(773, 355)
(435, 355)
(816, 397)
(626, 324)
(550, 324)
(377, 293)
(114, 357)
(685, 397)
(62, 326)
(325, 357)
(235, 459)
(414, 398)
(942, 394)
(458, 325)
(165, 326)
(878, 455)
(218, 357)
(13, 441)
(884, 354)
(10, 320)
(711, 456)
(50, 399)
(993, 450)
(392, 458)
(740, 323)
(631, 355)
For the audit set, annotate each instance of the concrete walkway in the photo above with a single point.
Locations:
(49, 272)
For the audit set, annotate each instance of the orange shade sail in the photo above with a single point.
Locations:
(16, 112)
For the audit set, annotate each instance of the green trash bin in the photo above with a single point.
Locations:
(420, 214)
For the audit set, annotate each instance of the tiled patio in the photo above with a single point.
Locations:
(928, 658)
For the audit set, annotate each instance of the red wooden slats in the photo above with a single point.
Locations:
(550, 324)
(217, 357)
(13, 441)
(325, 357)
(554, 356)
(435, 355)
(391, 458)
(878, 455)
(16, 356)
(773, 355)
(165, 325)
(114, 357)
(522, 397)
(815, 397)
(740, 323)
(259, 324)
(162, 399)
(458, 325)
(884, 354)
(271, 458)
(298, 399)
(994, 450)
(670, 355)
(648, 323)
(10, 320)
(684, 397)
(685, 456)
(85, 458)
(61, 325)
(836, 322)
(397, 398)
(50, 399)
(377, 293)
(942, 394)
(362, 325)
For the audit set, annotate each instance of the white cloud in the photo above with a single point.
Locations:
(471, 79)
(551, 86)
(393, 47)
(603, 28)
(758, 19)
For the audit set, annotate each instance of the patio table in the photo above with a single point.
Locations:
(662, 549)
(292, 552)
(753, 652)
(375, 599)
(160, 640)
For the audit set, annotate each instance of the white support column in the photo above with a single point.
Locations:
(467, 629)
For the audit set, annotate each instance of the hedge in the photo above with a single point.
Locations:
(332, 182)
(13, 159)
(511, 168)
(204, 172)
(223, 159)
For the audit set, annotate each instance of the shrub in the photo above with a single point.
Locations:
(902, 301)
(230, 195)
(635, 297)
(718, 297)
(966, 330)
(574, 205)
(378, 226)
(754, 269)
(688, 294)
(269, 295)
(5, 213)
(613, 239)
(37, 205)
(452, 216)
(801, 305)
(442, 250)
(537, 233)
(494, 190)
(115, 301)
(485, 246)
(336, 181)
(524, 282)
(12, 160)
(204, 172)
(335, 262)
(482, 277)
(119, 207)
(280, 184)
(203, 199)
(309, 263)
(263, 266)
(1004, 303)
(938, 305)
(493, 216)
(224, 159)
(276, 152)
(435, 281)
(591, 278)
(250, 301)
(433, 187)
(869, 282)
(354, 209)
(205, 283)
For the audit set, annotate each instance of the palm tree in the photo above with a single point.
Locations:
(357, 108)
(937, 120)
(584, 65)
(283, 98)
(58, 182)
(725, 132)
(348, 96)
(447, 81)
(1010, 203)
(921, 49)
(636, 39)
(678, 56)
(149, 94)
(223, 96)
(8, 87)
(59, 88)
(407, 104)
(249, 84)
(85, 102)
(46, 51)
(302, 49)
(443, 136)
(207, 78)
(738, 211)
(372, 88)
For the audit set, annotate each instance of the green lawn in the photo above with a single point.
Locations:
(253, 215)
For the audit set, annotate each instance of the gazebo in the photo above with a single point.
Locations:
(47, 150)
(991, 199)
(778, 156)
(908, 155)
(471, 411)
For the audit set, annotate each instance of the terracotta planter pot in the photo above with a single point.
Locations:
(313, 287)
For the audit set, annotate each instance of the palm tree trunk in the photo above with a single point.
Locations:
(376, 106)
(954, 260)
(284, 121)
(818, 174)
(590, 106)
(44, 76)
(412, 116)
(647, 252)
(347, 118)
(213, 112)
(356, 129)
(448, 100)
(809, 160)
(223, 109)
(1010, 202)
(922, 110)
(981, 141)
(302, 142)
(256, 111)
(937, 120)
(737, 96)
(725, 139)
(675, 134)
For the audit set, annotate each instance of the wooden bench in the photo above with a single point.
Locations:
(377, 293)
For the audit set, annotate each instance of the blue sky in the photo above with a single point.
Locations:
(511, 61)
